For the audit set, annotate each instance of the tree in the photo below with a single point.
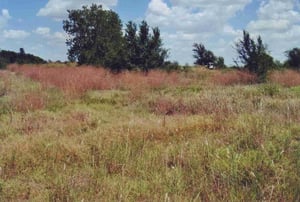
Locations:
(95, 37)
(22, 51)
(203, 56)
(254, 56)
(144, 50)
(220, 62)
(9, 57)
(206, 57)
(293, 60)
(131, 45)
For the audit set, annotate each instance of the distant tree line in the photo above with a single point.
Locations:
(97, 37)
(9, 57)
(252, 55)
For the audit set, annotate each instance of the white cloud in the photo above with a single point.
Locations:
(185, 22)
(53, 38)
(278, 22)
(15, 34)
(44, 31)
(4, 17)
(57, 9)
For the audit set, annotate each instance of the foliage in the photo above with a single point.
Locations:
(95, 37)
(254, 56)
(144, 50)
(293, 60)
(9, 57)
(206, 57)
(203, 56)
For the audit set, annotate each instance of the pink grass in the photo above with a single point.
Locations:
(287, 78)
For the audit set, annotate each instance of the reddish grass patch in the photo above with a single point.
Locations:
(287, 78)
(29, 102)
(75, 81)
(233, 77)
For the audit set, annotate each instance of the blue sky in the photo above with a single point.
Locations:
(36, 26)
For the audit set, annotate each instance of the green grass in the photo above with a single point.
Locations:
(219, 143)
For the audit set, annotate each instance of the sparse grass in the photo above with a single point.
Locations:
(160, 137)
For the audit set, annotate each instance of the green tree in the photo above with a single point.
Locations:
(293, 60)
(144, 50)
(253, 55)
(131, 45)
(95, 37)
(206, 57)
(220, 62)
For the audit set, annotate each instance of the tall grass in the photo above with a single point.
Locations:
(233, 78)
(75, 81)
(181, 139)
(286, 78)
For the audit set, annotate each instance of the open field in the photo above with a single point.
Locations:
(83, 134)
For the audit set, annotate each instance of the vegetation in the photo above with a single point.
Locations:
(84, 134)
(9, 57)
(96, 39)
(253, 55)
(293, 60)
(206, 57)
(144, 50)
(73, 133)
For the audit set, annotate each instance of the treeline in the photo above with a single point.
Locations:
(252, 56)
(96, 38)
(9, 57)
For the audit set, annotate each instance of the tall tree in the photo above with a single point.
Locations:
(131, 45)
(95, 36)
(203, 56)
(144, 49)
(293, 60)
(253, 55)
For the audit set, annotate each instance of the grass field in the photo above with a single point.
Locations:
(84, 134)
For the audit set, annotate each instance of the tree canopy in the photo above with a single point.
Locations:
(293, 60)
(9, 57)
(144, 49)
(206, 57)
(253, 55)
(95, 36)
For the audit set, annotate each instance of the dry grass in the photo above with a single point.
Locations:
(233, 77)
(75, 81)
(287, 78)
(161, 137)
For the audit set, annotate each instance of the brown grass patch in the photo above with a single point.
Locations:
(287, 78)
(233, 77)
(30, 101)
(75, 81)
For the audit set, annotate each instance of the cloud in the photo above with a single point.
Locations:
(4, 17)
(52, 37)
(44, 31)
(278, 22)
(15, 34)
(57, 9)
(185, 22)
